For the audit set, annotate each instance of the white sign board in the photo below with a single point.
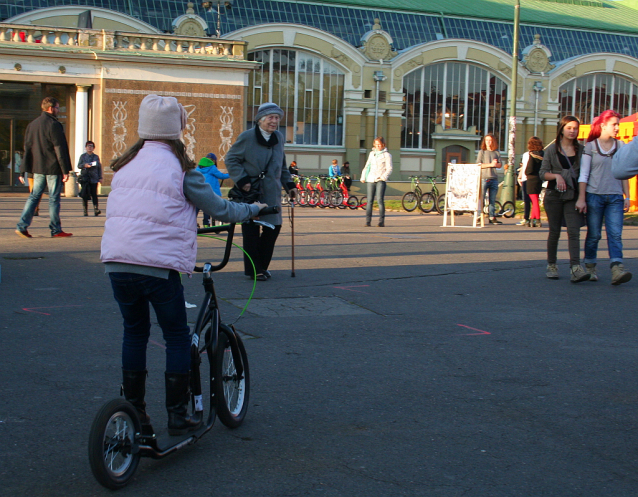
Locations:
(463, 192)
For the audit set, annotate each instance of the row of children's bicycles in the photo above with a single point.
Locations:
(324, 191)
(434, 201)
(426, 201)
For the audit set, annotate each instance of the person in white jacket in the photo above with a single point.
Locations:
(376, 172)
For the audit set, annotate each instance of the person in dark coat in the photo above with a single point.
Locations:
(293, 169)
(90, 175)
(534, 183)
(46, 156)
(347, 177)
(258, 157)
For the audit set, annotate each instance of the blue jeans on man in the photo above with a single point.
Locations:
(54, 182)
(611, 208)
(133, 293)
(491, 186)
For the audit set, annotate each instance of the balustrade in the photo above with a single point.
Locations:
(120, 41)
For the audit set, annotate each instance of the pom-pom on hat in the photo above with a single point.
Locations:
(267, 109)
(161, 118)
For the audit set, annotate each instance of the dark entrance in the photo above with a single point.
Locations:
(454, 154)
(19, 105)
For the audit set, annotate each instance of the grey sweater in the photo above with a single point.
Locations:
(486, 157)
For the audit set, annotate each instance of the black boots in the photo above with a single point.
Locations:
(134, 389)
(177, 398)
(96, 210)
(85, 204)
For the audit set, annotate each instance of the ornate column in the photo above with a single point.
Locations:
(81, 120)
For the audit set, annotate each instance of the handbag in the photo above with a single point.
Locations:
(237, 194)
(83, 179)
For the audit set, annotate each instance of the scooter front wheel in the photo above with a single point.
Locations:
(112, 449)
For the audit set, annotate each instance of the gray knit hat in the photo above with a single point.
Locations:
(267, 109)
(161, 118)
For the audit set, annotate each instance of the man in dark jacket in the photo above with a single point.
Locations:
(46, 157)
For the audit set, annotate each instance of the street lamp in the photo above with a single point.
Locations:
(538, 88)
(507, 194)
(378, 77)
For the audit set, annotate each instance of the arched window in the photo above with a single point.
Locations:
(589, 96)
(454, 95)
(308, 88)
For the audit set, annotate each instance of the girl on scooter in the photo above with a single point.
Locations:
(150, 237)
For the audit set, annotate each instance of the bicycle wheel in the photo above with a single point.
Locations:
(324, 199)
(509, 209)
(336, 199)
(427, 202)
(353, 202)
(303, 199)
(231, 391)
(409, 201)
(363, 202)
(498, 209)
(440, 203)
(313, 199)
(111, 442)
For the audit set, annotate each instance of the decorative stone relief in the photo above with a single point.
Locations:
(190, 24)
(377, 44)
(504, 68)
(189, 132)
(119, 114)
(567, 75)
(536, 57)
(350, 64)
(226, 131)
(404, 69)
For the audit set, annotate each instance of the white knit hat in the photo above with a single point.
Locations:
(161, 118)
(266, 109)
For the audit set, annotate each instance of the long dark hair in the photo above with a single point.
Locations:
(177, 147)
(559, 130)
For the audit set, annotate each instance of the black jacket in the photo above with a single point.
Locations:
(45, 148)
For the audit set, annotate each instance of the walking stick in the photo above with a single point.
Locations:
(292, 230)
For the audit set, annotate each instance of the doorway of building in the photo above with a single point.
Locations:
(454, 154)
(19, 105)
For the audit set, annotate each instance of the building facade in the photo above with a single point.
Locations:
(431, 79)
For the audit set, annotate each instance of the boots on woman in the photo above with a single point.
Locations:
(85, 204)
(177, 398)
(96, 210)
(134, 389)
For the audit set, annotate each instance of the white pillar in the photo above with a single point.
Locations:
(81, 121)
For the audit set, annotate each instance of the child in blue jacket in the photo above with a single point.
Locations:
(208, 167)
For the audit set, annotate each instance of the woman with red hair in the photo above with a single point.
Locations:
(534, 183)
(601, 196)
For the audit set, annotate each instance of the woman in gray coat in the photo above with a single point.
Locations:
(257, 157)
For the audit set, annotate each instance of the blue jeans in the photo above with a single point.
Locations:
(54, 182)
(609, 207)
(491, 186)
(133, 293)
(377, 188)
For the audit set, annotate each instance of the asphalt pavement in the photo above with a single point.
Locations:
(409, 360)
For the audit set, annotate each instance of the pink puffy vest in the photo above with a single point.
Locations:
(149, 222)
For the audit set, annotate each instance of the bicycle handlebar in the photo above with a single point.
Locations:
(230, 228)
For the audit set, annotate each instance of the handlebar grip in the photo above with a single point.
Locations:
(274, 209)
